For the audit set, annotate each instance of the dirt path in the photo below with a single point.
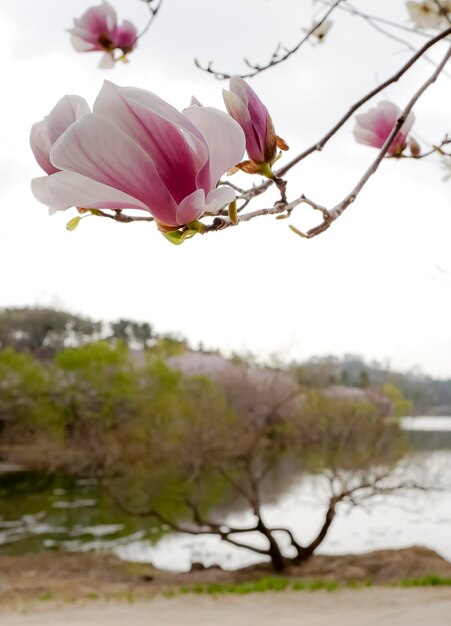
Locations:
(364, 607)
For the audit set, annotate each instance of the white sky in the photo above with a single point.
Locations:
(369, 285)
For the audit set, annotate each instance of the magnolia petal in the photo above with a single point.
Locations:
(64, 113)
(410, 120)
(374, 127)
(126, 36)
(257, 111)
(238, 110)
(40, 145)
(65, 189)
(107, 61)
(155, 104)
(367, 137)
(219, 198)
(195, 205)
(80, 44)
(42, 193)
(191, 208)
(101, 19)
(152, 128)
(225, 138)
(239, 87)
(95, 148)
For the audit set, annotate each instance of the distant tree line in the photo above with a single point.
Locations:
(44, 331)
(426, 394)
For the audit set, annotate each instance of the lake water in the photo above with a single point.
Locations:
(78, 517)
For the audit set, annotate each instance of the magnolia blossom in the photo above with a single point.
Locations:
(136, 151)
(247, 109)
(97, 30)
(45, 133)
(373, 128)
(427, 14)
(320, 31)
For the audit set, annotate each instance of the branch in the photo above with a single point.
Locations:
(393, 79)
(305, 552)
(257, 190)
(329, 216)
(244, 545)
(153, 13)
(348, 8)
(276, 58)
(374, 23)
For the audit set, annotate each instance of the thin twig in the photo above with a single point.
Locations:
(276, 58)
(153, 13)
(348, 8)
(393, 79)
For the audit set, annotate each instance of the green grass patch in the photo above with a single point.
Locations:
(267, 583)
(425, 581)
(46, 596)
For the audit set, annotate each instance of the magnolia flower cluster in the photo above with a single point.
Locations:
(97, 30)
(136, 151)
(429, 13)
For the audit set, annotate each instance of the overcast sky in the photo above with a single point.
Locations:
(373, 284)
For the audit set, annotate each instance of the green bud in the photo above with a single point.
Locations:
(73, 223)
(233, 213)
(177, 237)
(298, 232)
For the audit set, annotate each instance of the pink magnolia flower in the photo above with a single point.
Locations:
(45, 133)
(136, 151)
(374, 127)
(97, 30)
(247, 109)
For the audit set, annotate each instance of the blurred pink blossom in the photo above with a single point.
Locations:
(247, 109)
(374, 127)
(136, 151)
(97, 30)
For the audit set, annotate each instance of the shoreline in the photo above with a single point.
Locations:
(49, 578)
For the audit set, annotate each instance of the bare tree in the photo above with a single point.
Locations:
(201, 455)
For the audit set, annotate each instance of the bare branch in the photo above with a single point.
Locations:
(393, 79)
(276, 57)
(154, 9)
(348, 8)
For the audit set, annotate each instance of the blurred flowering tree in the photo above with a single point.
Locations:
(136, 158)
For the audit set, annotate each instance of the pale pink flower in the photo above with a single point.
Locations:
(320, 31)
(426, 14)
(248, 110)
(374, 127)
(136, 151)
(45, 133)
(97, 30)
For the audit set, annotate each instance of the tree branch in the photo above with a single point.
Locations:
(393, 79)
(276, 57)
